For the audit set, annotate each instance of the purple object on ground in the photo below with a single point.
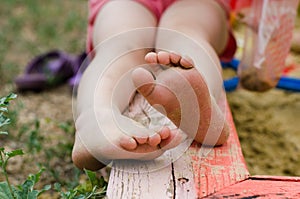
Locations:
(51, 69)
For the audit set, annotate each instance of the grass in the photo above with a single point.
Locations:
(93, 187)
(32, 27)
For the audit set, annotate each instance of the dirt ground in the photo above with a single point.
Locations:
(268, 128)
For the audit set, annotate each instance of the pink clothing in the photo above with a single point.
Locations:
(157, 7)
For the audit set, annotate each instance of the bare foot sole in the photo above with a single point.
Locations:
(161, 91)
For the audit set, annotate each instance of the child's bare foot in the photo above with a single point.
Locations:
(93, 152)
(167, 90)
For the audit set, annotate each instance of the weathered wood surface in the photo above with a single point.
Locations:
(262, 187)
(199, 172)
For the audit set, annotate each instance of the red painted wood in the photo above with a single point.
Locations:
(262, 187)
(222, 167)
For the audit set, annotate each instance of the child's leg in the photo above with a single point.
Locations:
(94, 142)
(204, 22)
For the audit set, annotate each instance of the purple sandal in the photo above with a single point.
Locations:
(81, 63)
(48, 70)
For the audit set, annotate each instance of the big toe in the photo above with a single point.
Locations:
(143, 81)
(155, 92)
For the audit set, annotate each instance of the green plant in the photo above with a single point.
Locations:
(61, 151)
(4, 119)
(7, 190)
(35, 139)
(94, 188)
(25, 190)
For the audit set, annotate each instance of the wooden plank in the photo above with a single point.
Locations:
(221, 167)
(160, 178)
(262, 187)
(192, 175)
(137, 179)
(183, 177)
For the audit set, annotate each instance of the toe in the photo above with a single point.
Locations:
(151, 57)
(175, 138)
(154, 140)
(175, 58)
(128, 143)
(143, 81)
(163, 57)
(186, 62)
(164, 133)
(141, 140)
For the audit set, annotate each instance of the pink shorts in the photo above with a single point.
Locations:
(157, 7)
